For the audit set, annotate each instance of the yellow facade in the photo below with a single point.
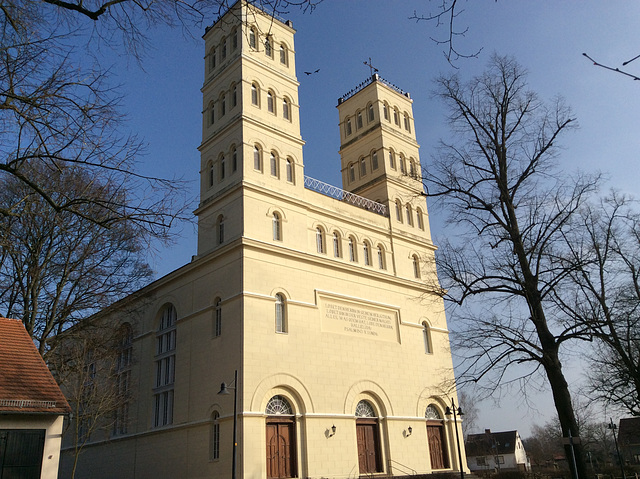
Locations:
(321, 302)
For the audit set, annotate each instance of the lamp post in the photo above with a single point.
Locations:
(457, 411)
(613, 428)
(224, 390)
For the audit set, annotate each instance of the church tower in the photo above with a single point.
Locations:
(379, 152)
(250, 120)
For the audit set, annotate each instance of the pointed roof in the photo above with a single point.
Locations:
(26, 384)
(488, 443)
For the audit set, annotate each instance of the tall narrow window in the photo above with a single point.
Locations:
(367, 253)
(267, 47)
(403, 166)
(234, 159)
(392, 159)
(336, 245)
(407, 123)
(212, 174)
(277, 227)
(212, 58)
(352, 250)
(363, 167)
(273, 162)
(385, 111)
(285, 109)
(347, 127)
(352, 173)
(257, 158)
(289, 170)
(123, 378)
(222, 167)
(419, 220)
(212, 113)
(412, 169)
(270, 105)
(426, 335)
(165, 367)
(223, 49)
(234, 39)
(319, 240)
(396, 118)
(416, 266)
(215, 436)
(254, 94)
(370, 112)
(409, 215)
(398, 211)
(281, 319)
(374, 160)
(359, 120)
(283, 54)
(220, 229)
(234, 96)
(223, 105)
(252, 38)
(217, 327)
(380, 257)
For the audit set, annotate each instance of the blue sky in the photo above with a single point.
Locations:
(163, 101)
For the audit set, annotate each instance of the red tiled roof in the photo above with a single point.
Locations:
(26, 384)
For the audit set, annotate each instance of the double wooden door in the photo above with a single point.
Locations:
(437, 447)
(281, 454)
(368, 446)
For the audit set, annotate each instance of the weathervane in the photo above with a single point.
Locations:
(371, 67)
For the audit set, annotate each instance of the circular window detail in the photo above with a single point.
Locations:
(279, 405)
(365, 409)
(432, 413)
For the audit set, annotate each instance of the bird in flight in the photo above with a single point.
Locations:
(311, 73)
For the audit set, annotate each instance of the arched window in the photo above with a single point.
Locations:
(370, 115)
(222, 167)
(403, 165)
(281, 316)
(385, 110)
(409, 215)
(212, 113)
(217, 326)
(289, 170)
(416, 266)
(165, 367)
(407, 123)
(234, 39)
(278, 405)
(257, 158)
(396, 117)
(215, 436)
(398, 211)
(392, 159)
(358, 120)
(367, 253)
(336, 245)
(273, 163)
(352, 250)
(268, 48)
(223, 105)
(419, 220)
(223, 49)
(212, 59)
(234, 159)
(363, 167)
(255, 94)
(123, 378)
(220, 229)
(283, 55)
(412, 168)
(277, 227)
(381, 257)
(285, 109)
(211, 174)
(253, 35)
(320, 240)
(234, 96)
(426, 334)
(270, 104)
(374, 160)
(347, 127)
(352, 173)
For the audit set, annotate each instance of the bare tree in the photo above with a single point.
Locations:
(92, 365)
(471, 412)
(603, 292)
(57, 266)
(511, 206)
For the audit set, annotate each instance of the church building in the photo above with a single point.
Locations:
(318, 307)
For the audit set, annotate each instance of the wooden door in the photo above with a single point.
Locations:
(280, 450)
(368, 447)
(437, 448)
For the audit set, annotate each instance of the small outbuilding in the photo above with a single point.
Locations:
(496, 451)
(32, 408)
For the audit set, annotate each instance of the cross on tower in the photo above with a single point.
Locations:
(371, 67)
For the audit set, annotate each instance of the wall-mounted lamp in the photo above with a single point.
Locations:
(409, 431)
(333, 430)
